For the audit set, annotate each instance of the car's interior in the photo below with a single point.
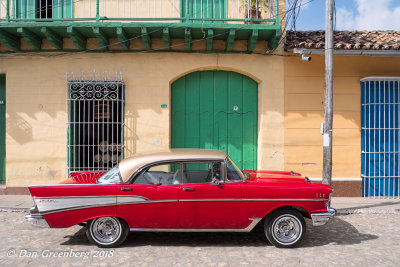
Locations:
(168, 174)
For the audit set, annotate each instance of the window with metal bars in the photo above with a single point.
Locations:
(380, 136)
(43, 9)
(95, 124)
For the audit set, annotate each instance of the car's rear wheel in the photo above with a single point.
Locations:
(107, 232)
(285, 228)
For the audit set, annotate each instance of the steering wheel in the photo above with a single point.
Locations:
(214, 170)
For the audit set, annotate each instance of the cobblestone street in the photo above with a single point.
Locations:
(351, 240)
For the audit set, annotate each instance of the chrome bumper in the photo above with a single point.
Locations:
(37, 220)
(322, 218)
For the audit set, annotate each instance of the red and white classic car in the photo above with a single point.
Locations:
(183, 190)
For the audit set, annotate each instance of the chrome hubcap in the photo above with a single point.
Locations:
(287, 229)
(106, 230)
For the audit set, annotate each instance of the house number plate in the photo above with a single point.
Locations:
(1, 102)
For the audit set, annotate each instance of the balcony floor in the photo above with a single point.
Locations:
(33, 33)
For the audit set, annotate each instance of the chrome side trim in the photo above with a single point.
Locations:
(121, 200)
(76, 208)
(47, 205)
(45, 185)
(254, 222)
(69, 197)
(285, 199)
(53, 204)
(210, 199)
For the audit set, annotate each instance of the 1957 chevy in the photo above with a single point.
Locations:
(183, 190)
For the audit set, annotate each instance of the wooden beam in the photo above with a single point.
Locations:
(188, 39)
(167, 39)
(123, 38)
(210, 38)
(251, 43)
(274, 42)
(54, 39)
(101, 37)
(31, 38)
(77, 38)
(146, 38)
(11, 41)
(230, 40)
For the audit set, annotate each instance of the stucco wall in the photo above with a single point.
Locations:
(36, 134)
(304, 96)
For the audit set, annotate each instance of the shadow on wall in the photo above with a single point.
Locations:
(18, 128)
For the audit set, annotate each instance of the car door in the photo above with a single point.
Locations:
(151, 200)
(206, 199)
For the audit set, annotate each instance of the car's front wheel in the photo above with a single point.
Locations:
(285, 228)
(107, 232)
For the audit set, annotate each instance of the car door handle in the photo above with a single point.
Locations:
(188, 189)
(126, 189)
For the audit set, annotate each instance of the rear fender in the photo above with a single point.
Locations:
(70, 218)
(67, 205)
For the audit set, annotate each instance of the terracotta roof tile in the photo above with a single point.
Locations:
(347, 40)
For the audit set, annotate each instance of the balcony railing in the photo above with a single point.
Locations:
(206, 11)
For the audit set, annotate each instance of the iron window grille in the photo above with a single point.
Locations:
(95, 122)
(380, 137)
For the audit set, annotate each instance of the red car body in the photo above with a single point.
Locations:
(221, 206)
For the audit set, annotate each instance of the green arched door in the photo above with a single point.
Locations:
(216, 110)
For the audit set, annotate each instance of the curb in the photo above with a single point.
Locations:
(14, 210)
(367, 211)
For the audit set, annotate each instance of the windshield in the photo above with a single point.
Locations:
(233, 172)
(111, 177)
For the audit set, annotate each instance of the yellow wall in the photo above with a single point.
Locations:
(304, 96)
(36, 134)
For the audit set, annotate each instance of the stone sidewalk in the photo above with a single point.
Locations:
(343, 205)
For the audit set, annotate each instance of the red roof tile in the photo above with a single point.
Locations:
(347, 40)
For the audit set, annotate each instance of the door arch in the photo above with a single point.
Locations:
(216, 110)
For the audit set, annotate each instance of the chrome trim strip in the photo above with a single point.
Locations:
(52, 204)
(48, 205)
(254, 222)
(43, 185)
(128, 199)
(76, 208)
(69, 197)
(210, 199)
(285, 199)
(103, 205)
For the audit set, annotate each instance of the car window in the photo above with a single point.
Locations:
(234, 174)
(202, 172)
(162, 174)
(111, 177)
